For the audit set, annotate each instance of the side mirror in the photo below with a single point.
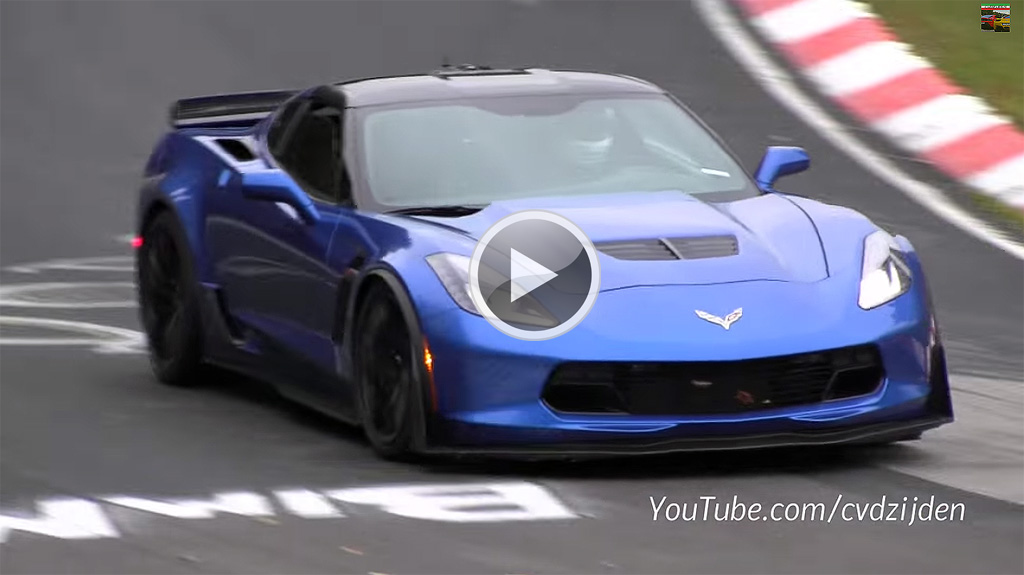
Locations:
(276, 186)
(780, 161)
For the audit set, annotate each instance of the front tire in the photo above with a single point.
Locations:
(387, 373)
(168, 302)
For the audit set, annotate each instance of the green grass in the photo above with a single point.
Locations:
(948, 33)
(1002, 211)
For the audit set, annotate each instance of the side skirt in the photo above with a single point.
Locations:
(233, 348)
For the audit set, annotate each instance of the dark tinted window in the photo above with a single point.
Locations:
(278, 127)
(312, 152)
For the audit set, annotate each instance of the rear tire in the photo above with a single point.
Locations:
(169, 303)
(387, 375)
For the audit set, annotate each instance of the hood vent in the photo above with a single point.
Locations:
(671, 248)
(706, 247)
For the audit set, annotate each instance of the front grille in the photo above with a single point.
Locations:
(700, 388)
(671, 248)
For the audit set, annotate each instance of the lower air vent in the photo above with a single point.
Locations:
(671, 248)
(714, 387)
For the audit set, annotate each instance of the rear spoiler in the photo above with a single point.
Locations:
(241, 109)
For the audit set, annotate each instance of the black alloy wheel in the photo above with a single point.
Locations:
(168, 305)
(387, 371)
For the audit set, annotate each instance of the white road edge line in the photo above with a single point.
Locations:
(780, 84)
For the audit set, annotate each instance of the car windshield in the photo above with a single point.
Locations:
(481, 151)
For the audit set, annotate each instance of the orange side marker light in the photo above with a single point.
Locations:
(428, 362)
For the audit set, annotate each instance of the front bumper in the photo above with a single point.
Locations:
(489, 386)
(854, 435)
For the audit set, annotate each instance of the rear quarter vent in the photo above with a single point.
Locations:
(237, 149)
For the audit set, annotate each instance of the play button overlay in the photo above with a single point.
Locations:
(534, 275)
(527, 275)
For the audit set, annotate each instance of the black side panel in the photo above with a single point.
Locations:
(345, 299)
(939, 400)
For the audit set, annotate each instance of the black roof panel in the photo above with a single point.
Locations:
(487, 83)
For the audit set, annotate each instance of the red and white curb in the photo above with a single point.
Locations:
(855, 60)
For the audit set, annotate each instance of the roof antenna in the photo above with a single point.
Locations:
(444, 62)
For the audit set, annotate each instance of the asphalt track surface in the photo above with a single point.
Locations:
(85, 88)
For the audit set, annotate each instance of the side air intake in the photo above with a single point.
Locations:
(237, 149)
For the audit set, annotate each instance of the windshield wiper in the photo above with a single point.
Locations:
(439, 211)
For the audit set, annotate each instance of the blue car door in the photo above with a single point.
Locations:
(272, 261)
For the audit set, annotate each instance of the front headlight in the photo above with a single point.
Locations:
(453, 271)
(885, 276)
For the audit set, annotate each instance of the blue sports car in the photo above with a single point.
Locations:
(526, 262)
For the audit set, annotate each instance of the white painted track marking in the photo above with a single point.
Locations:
(64, 518)
(780, 84)
(238, 503)
(467, 503)
(307, 503)
(102, 338)
(49, 295)
(94, 264)
(87, 517)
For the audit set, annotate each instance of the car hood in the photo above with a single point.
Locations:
(776, 240)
